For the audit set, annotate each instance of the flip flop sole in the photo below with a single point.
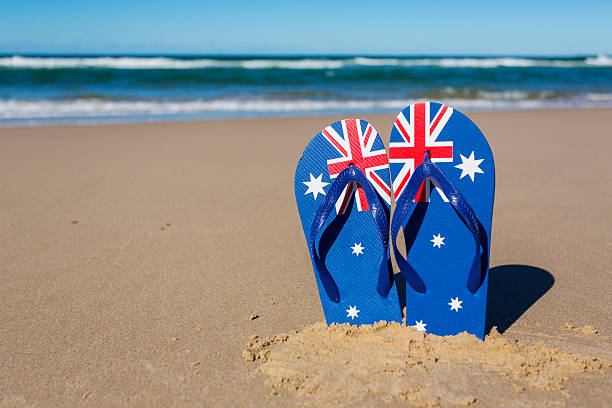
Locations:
(440, 247)
(350, 243)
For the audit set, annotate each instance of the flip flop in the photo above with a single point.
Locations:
(343, 197)
(444, 184)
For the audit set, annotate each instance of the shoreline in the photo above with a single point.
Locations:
(154, 120)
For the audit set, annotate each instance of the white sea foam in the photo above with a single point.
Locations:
(374, 62)
(599, 97)
(18, 61)
(507, 95)
(13, 108)
(19, 109)
(601, 60)
(307, 63)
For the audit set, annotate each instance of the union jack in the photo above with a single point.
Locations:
(418, 134)
(355, 148)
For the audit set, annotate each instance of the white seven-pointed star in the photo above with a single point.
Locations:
(420, 326)
(469, 166)
(455, 304)
(438, 241)
(352, 312)
(315, 185)
(357, 249)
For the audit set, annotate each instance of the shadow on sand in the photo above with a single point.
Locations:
(512, 290)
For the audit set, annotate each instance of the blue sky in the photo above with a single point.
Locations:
(308, 27)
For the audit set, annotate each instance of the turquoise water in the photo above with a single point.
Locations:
(42, 89)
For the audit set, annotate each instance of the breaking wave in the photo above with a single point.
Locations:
(18, 61)
(12, 110)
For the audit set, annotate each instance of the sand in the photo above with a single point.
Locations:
(344, 365)
(133, 258)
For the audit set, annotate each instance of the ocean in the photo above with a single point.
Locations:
(91, 89)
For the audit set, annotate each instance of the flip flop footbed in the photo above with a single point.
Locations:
(440, 247)
(350, 244)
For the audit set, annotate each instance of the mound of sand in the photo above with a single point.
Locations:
(347, 365)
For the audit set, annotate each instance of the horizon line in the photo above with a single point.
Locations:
(292, 55)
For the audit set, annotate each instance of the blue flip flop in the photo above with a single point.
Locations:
(444, 184)
(343, 197)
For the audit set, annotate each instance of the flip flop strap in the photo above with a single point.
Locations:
(345, 177)
(461, 206)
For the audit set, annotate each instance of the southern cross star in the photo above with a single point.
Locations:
(469, 166)
(357, 249)
(315, 185)
(420, 326)
(455, 304)
(438, 241)
(352, 312)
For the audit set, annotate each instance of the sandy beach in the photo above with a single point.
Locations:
(133, 258)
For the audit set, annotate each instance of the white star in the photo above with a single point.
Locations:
(438, 241)
(420, 326)
(352, 312)
(315, 186)
(469, 166)
(455, 304)
(357, 249)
